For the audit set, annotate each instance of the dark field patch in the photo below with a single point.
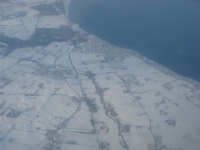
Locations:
(125, 129)
(44, 36)
(41, 37)
(14, 113)
(5, 16)
(55, 8)
(104, 145)
(91, 105)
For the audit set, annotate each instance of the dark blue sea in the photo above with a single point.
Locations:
(165, 31)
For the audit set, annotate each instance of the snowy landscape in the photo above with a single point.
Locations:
(63, 89)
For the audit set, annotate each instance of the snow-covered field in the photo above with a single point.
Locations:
(63, 89)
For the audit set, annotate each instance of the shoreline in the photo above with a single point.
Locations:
(148, 61)
(71, 90)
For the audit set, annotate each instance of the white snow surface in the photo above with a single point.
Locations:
(71, 94)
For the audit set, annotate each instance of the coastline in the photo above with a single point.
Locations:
(68, 89)
(150, 62)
